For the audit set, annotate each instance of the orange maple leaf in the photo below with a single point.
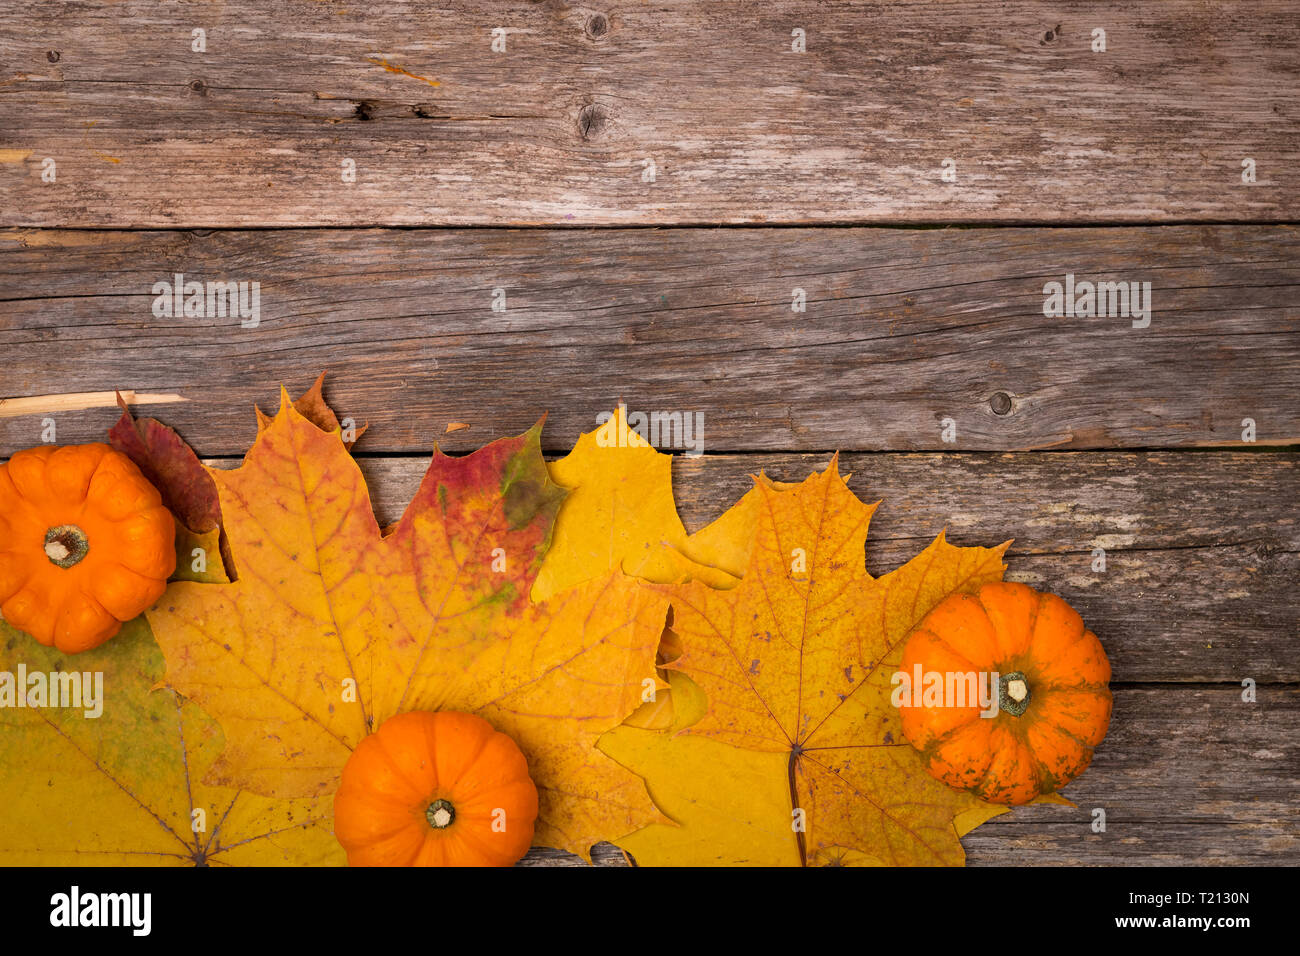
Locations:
(332, 626)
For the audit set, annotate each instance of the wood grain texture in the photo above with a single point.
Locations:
(556, 129)
(1189, 775)
(903, 330)
(1071, 433)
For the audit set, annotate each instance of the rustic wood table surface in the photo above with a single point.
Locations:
(856, 208)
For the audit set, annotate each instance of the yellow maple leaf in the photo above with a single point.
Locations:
(107, 768)
(796, 661)
(731, 806)
(620, 514)
(332, 627)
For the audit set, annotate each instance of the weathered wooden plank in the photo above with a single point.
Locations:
(602, 854)
(1190, 776)
(905, 332)
(1202, 550)
(1005, 841)
(560, 127)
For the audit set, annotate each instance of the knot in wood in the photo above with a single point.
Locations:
(597, 26)
(593, 119)
(1000, 403)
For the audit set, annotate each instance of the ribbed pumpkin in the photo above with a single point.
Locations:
(85, 544)
(435, 789)
(1053, 699)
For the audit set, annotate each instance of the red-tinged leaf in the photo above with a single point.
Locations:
(334, 627)
(170, 464)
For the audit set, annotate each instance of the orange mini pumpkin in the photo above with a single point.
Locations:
(1053, 699)
(85, 544)
(435, 789)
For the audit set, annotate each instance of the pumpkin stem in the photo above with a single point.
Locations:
(1013, 693)
(440, 814)
(66, 545)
